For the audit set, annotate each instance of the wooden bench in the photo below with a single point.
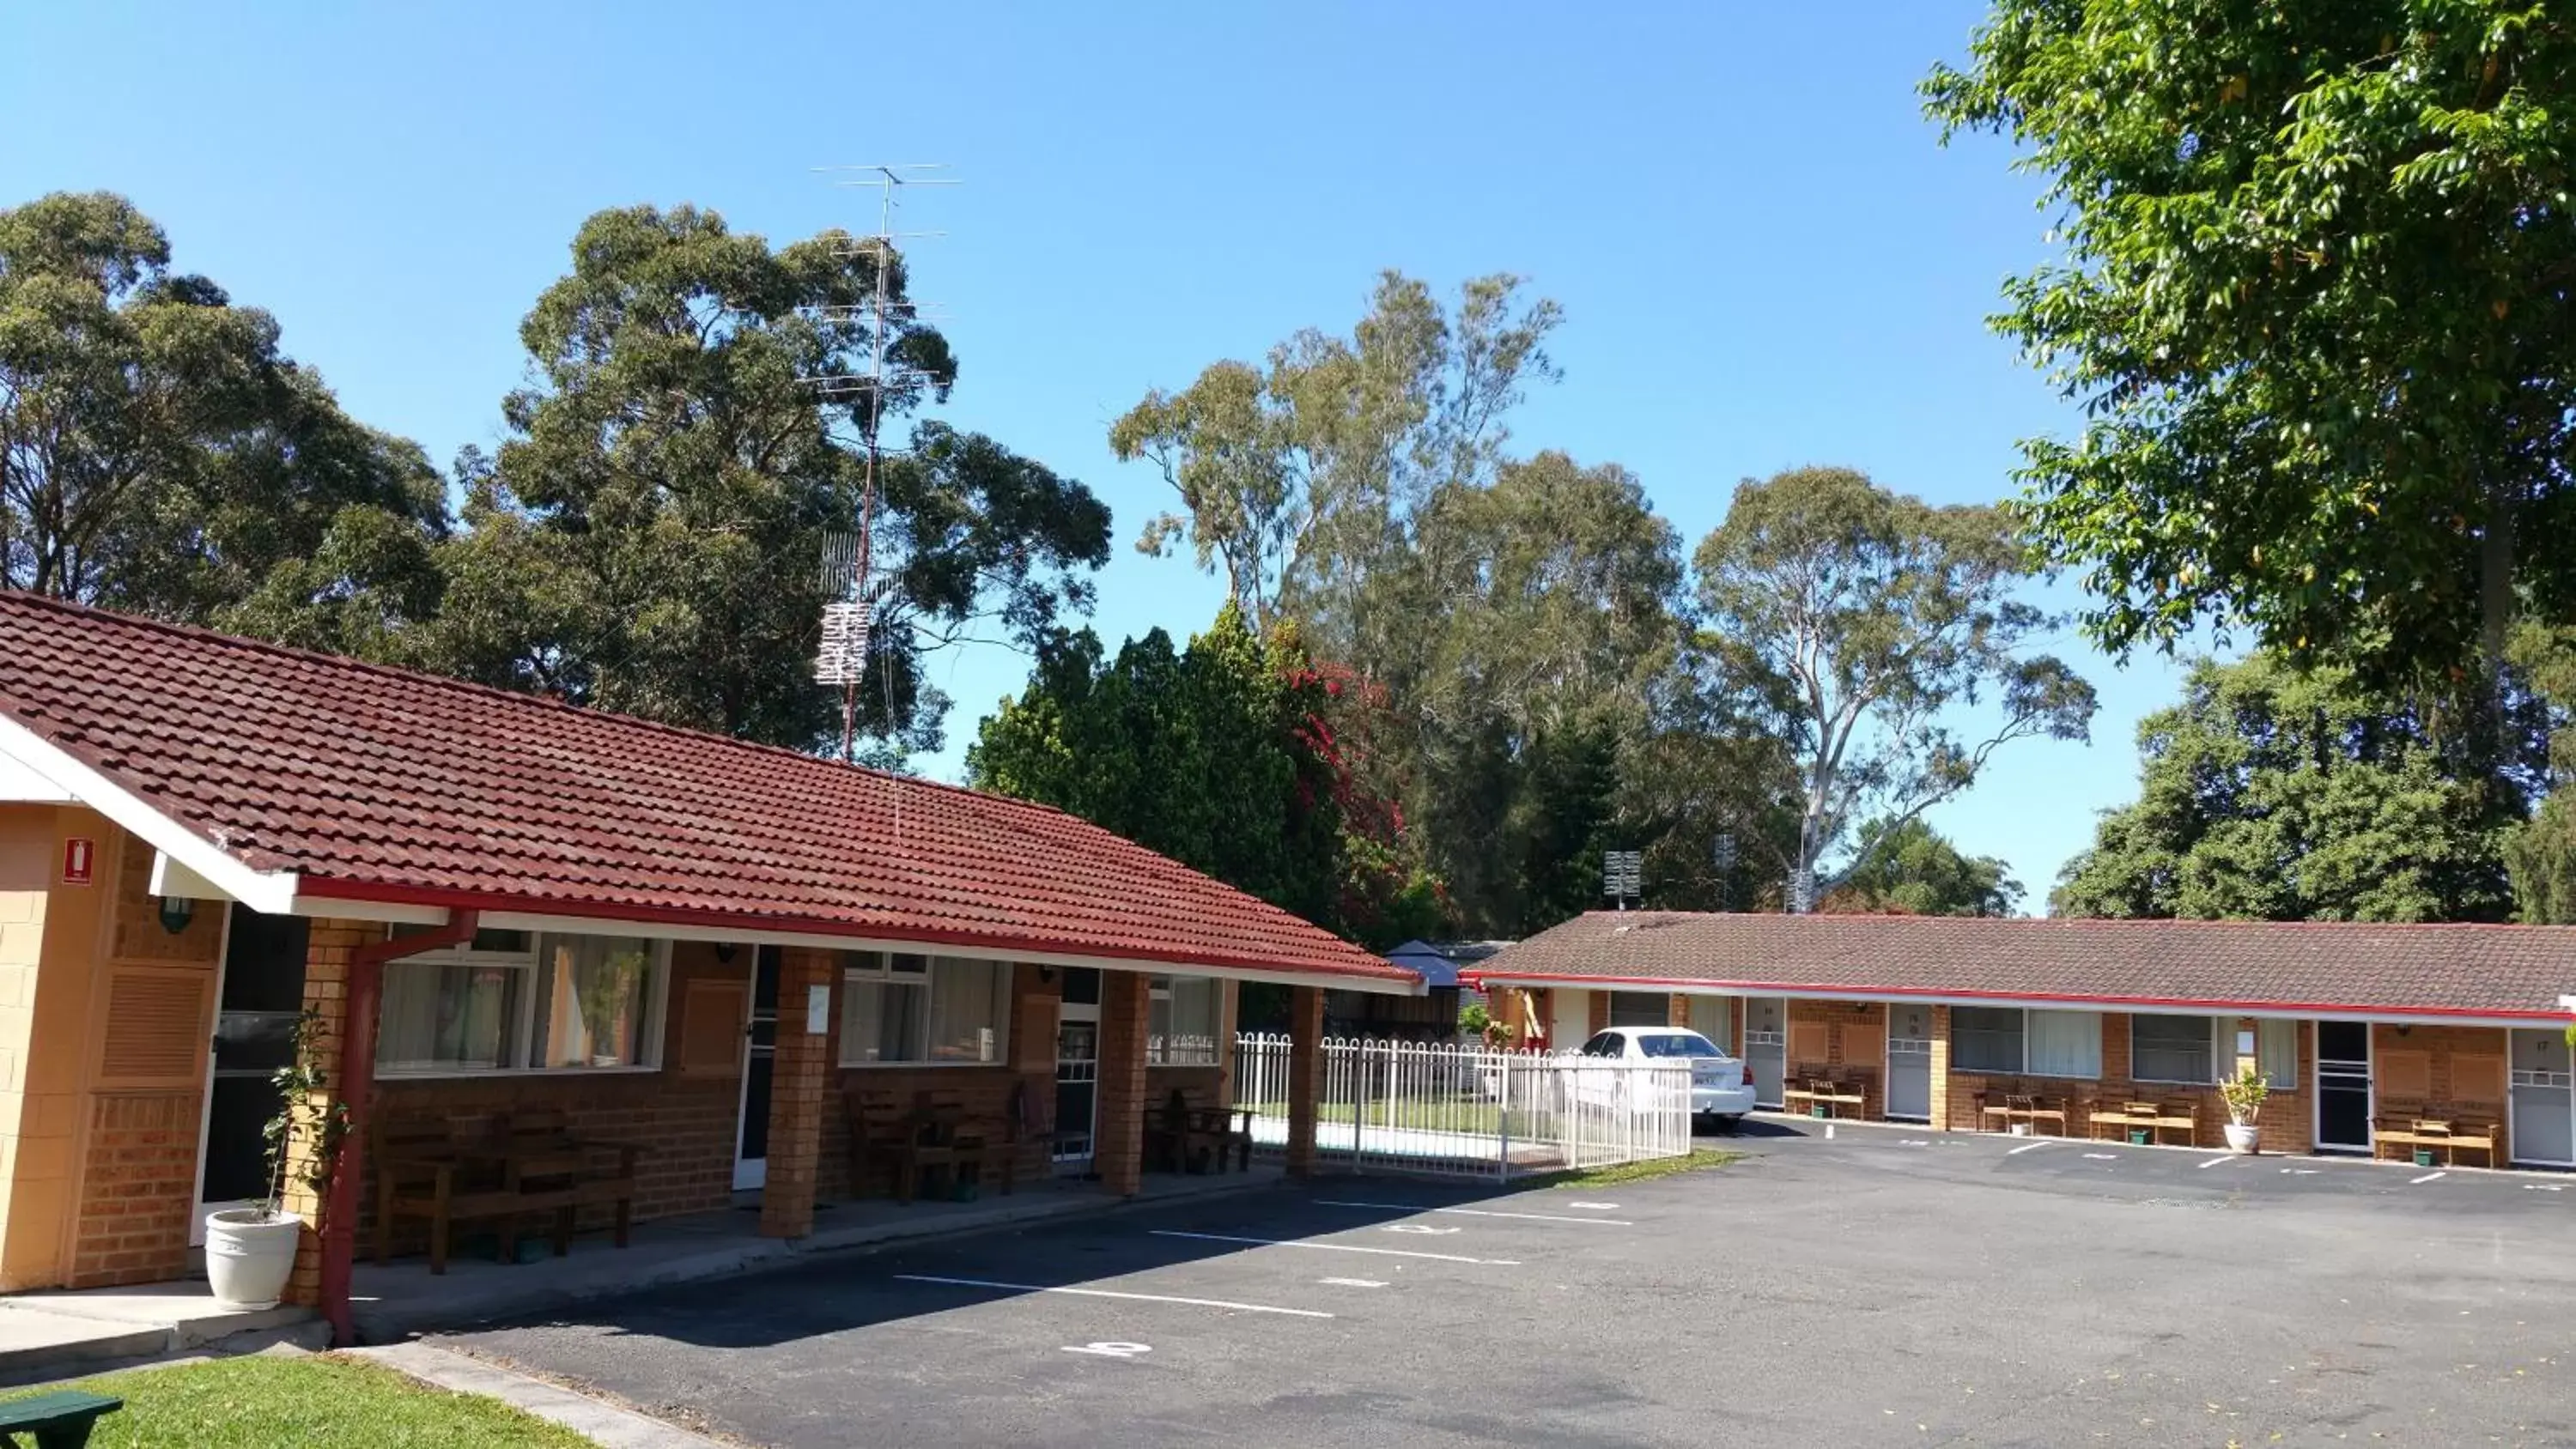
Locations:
(2431, 1132)
(501, 1168)
(1829, 1096)
(2138, 1115)
(1183, 1133)
(59, 1420)
(2183, 1117)
(915, 1139)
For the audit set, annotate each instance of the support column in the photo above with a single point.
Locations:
(1305, 1075)
(1118, 1149)
(330, 947)
(1677, 1011)
(799, 1076)
(1940, 1069)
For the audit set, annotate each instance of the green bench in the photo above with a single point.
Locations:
(59, 1420)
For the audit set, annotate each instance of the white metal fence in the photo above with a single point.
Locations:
(1467, 1110)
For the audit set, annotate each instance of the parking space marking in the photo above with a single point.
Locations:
(2025, 1147)
(2542, 1187)
(2101, 1157)
(1111, 1349)
(2427, 1177)
(1484, 1212)
(2216, 1162)
(1111, 1293)
(1353, 1282)
(2298, 1172)
(1915, 1142)
(1598, 1207)
(1333, 1248)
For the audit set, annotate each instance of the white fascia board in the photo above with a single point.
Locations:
(21, 784)
(2393, 1016)
(416, 915)
(270, 891)
(2568, 1002)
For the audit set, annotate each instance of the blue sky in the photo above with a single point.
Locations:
(1764, 256)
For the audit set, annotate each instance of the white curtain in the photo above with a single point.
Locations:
(2065, 1044)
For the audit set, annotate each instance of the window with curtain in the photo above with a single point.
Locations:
(2277, 1044)
(2065, 1043)
(1186, 1014)
(597, 991)
(450, 1015)
(2175, 1049)
(1712, 1017)
(1986, 1039)
(902, 1009)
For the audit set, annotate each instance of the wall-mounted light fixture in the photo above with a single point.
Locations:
(1046, 975)
(176, 913)
(725, 952)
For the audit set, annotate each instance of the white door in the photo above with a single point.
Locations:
(2544, 1098)
(1569, 1019)
(1766, 1047)
(1909, 1062)
(1077, 1071)
(759, 1068)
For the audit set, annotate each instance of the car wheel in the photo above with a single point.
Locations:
(1730, 1125)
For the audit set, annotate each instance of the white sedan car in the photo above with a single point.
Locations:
(1719, 1087)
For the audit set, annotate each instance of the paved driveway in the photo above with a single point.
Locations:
(1877, 1288)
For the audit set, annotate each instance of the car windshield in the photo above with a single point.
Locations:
(1678, 1044)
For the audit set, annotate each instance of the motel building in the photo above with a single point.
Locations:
(504, 909)
(2376, 1040)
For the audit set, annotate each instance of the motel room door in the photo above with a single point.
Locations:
(1909, 1062)
(2343, 1086)
(759, 1066)
(256, 1008)
(1077, 1070)
(1766, 1047)
(2543, 1130)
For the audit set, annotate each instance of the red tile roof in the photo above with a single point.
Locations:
(376, 784)
(2432, 969)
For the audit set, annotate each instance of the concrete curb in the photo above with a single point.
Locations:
(600, 1422)
(386, 1321)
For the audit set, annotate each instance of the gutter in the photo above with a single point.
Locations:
(1971, 996)
(364, 995)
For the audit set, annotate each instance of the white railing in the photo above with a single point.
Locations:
(1468, 1110)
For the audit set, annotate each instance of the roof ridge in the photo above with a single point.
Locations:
(10, 597)
(2133, 922)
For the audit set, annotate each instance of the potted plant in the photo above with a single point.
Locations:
(2244, 1094)
(603, 990)
(251, 1251)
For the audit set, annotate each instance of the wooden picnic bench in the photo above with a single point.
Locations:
(59, 1420)
(1184, 1135)
(2435, 1132)
(928, 1137)
(501, 1167)
(1828, 1096)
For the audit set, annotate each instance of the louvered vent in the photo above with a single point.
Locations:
(156, 1028)
(711, 1028)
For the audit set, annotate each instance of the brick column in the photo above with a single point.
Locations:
(1305, 1075)
(799, 1077)
(1940, 1069)
(1118, 1148)
(327, 952)
(1677, 1011)
(1597, 1008)
(1037, 997)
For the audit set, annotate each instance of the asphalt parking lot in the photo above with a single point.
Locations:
(1874, 1287)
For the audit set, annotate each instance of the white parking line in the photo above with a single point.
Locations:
(1407, 1207)
(1107, 1293)
(1596, 1207)
(2026, 1147)
(1333, 1248)
(2427, 1177)
(1914, 1142)
(1353, 1282)
(2101, 1157)
(2216, 1162)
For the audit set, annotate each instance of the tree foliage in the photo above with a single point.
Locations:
(1853, 621)
(2315, 299)
(160, 454)
(1220, 756)
(2276, 793)
(648, 538)
(1913, 870)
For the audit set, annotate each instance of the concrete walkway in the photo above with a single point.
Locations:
(51, 1335)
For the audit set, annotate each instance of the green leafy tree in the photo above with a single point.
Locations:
(648, 538)
(1856, 622)
(160, 454)
(2540, 853)
(1219, 756)
(2275, 793)
(2315, 299)
(1913, 870)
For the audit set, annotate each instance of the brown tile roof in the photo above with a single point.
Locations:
(2432, 969)
(377, 784)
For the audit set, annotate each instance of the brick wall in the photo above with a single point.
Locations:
(2285, 1126)
(1853, 1035)
(1118, 1147)
(138, 1189)
(2455, 1073)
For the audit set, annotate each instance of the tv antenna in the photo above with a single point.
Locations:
(842, 657)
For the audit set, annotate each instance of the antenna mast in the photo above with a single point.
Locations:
(848, 559)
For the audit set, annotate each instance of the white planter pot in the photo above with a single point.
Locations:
(249, 1255)
(2241, 1136)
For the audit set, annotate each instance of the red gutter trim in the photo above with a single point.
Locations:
(1878, 993)
(362, 994)
(333, 888)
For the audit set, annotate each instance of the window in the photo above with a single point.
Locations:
(1186, 1014)
(1639, 1008)
(900, 1009)
(1985, 1039)
(1677, 1044)
(510, 1001)
(2065, 1044)
(1607, 1044)
(2277, 1044)
(2171, 1049)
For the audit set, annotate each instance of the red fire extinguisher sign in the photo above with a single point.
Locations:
(80, 860)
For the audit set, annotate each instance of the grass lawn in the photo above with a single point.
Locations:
(259, 1402)
(1700, 1160)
